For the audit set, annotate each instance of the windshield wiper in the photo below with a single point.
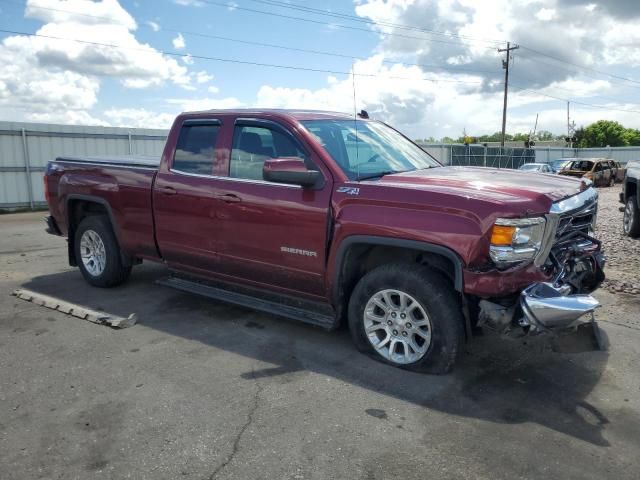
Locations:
(379, 174)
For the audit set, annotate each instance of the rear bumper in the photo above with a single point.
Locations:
(52, 226)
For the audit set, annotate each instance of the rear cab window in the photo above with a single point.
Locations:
(195, 149)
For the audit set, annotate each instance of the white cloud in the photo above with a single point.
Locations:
(138, 65)
(195, 104)
(154, 26)
(213, 89)
(139, 118)
(189, 3)
(49, 79)
(394, 93)
(30, 92)
(105, 12)
(203, 77)
(178, 42)
(545, 14)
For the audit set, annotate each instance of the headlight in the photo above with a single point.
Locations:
(516, 239)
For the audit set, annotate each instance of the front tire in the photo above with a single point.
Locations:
(408, 316)
(98, 254)
(631, 218)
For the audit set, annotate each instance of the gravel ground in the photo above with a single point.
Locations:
(623, 253)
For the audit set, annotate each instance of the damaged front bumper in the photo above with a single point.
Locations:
(562, 308)
(545, 307)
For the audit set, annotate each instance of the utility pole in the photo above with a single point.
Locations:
(505, 66)
(569, 126)
(571, 130)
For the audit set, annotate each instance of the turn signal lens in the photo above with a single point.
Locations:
(502, 235)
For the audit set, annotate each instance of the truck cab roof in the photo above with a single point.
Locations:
(295, 114)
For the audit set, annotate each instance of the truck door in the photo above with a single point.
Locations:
(184, 198)
(272, 234)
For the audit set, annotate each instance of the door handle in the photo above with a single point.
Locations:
(168, 190)
(229, 198)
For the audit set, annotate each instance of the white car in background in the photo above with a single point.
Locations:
(536, 167)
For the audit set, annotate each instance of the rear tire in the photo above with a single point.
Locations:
(97, 253)
(631, 218)
(426, 301)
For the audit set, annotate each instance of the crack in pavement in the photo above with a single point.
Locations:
(249, 421)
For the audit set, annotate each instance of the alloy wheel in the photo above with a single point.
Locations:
(93, 253)
(627, 218)
(397, 326)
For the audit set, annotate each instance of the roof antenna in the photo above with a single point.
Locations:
(355, 115)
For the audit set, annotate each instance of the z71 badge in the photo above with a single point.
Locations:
(349, 190)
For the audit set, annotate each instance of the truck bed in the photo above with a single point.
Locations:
(121, 183)
(146, 161)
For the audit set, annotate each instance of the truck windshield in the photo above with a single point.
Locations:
(367, 149)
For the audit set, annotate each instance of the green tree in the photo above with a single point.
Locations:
(603, 133)
(632, 137)
(545, 135)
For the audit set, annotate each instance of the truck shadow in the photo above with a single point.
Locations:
(503, 381)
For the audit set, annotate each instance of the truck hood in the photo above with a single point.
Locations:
(490, 184)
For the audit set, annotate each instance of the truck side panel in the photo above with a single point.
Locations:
(125, 193)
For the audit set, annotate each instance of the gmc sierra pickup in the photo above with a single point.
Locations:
(332, 219)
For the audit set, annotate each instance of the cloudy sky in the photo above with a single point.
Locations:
(431, 67)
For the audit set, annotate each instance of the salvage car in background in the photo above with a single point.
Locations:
(536, 167)
(598, 170)
(560, 164)
(619, 170)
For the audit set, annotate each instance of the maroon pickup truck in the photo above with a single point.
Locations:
(331, 220)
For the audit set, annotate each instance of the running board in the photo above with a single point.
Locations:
(307, 315)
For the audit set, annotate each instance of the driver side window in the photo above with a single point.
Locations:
(253, 145)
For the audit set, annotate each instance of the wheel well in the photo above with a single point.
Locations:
(362, 258)
(77, 210)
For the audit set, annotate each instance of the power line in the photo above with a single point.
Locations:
(520, 89)
(571, 91)
(237, 61)
(462, 68)
(558, 59)
(290, 67)
(334, 25)
(355, 18)
(332, 14)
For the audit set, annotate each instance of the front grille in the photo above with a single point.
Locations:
(574, 225)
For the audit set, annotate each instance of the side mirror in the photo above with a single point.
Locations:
(290, 170)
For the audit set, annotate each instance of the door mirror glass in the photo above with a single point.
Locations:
(291, 170)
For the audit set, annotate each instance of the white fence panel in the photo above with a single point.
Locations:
(25, 149)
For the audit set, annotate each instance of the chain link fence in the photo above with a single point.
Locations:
(496, 157)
